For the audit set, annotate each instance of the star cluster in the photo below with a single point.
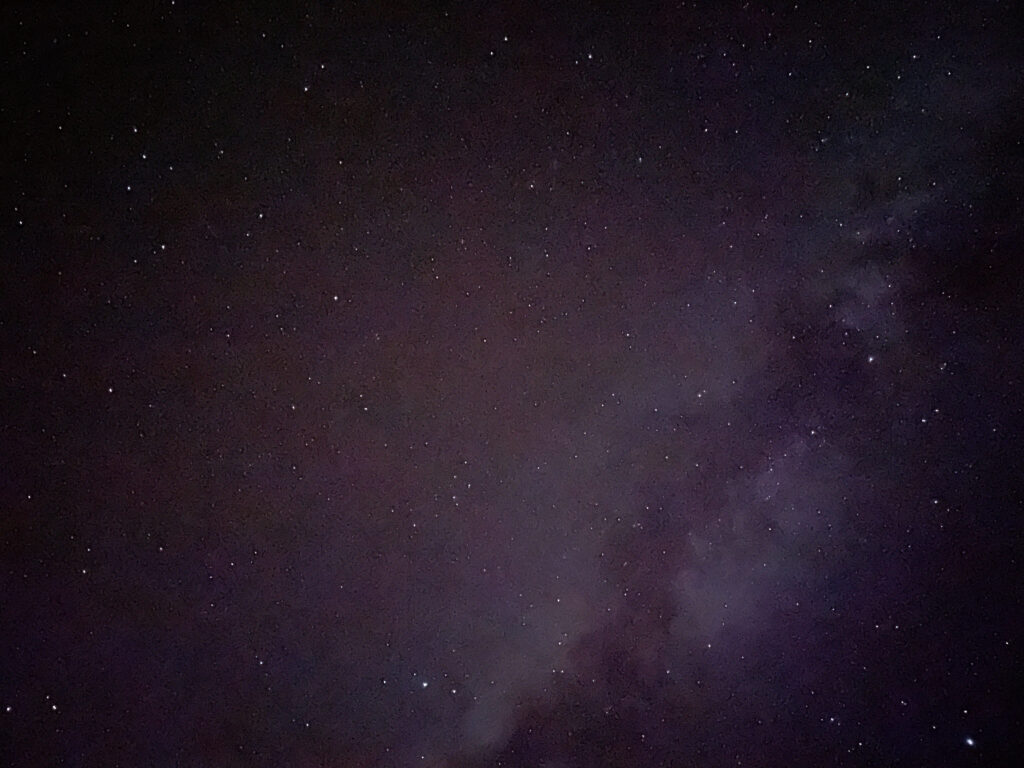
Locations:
(488, 385)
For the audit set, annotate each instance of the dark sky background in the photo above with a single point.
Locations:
(510, 385)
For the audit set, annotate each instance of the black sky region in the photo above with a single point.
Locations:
(510, 384)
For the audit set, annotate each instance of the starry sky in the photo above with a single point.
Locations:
(510, 384)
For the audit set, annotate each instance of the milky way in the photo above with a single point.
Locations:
(474, 386)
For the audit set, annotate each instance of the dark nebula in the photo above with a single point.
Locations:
(509, 384)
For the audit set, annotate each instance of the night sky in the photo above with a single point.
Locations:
(511, 385)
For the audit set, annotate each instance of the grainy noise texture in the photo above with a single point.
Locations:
(511, 384)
